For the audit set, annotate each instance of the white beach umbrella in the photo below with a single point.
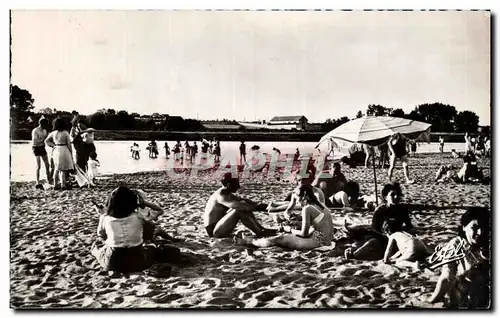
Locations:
(374, 131)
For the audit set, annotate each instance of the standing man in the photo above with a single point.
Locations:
(397, 149)
(38, 136)
(243, 152)
(441, 144)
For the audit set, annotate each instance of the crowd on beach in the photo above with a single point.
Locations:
(73, 152)
(128, 228)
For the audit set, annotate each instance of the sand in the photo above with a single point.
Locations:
(51, 233)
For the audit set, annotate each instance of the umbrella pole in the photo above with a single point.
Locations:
(375, 177)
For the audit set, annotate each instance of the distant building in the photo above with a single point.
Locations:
(158, 119)
(288, 122)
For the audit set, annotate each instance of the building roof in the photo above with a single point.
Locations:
(288, 118)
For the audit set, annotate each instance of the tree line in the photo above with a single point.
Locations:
(442, 117)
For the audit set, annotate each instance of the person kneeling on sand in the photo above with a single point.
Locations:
(314, 214)
(410, 248)
(125, 229)
(224, 209)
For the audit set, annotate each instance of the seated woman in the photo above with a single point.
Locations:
(288, 206)
(124, 230)
(332, 184)
(314, 214)
(467, 279)
(373, 241)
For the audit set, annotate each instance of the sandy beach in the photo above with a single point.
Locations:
(52, 231)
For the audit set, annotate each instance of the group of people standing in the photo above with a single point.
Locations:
(62, 142)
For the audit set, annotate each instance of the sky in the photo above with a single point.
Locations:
(252, 65)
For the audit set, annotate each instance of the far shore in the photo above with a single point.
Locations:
(303, 136)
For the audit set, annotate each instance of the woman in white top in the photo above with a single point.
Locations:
(315, 215)
(59, 139)
(124, 227)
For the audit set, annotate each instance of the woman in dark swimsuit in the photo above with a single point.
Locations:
(397, 148)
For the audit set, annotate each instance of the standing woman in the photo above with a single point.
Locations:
(77, 140)
(59, 139)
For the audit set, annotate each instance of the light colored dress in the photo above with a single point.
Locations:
(93, 170)
(61, 154)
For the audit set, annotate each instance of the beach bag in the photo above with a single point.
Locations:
(81, 177)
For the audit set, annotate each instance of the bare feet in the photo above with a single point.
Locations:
(409, 181)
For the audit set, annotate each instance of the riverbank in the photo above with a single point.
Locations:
(302, 136)
(51, 233)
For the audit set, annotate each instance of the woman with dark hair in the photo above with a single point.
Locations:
(125, 227)
(314, 214)
(375, 242)
(77, 140)
(59, 139)
(466, 278)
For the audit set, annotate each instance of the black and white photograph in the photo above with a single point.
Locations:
(250, 159)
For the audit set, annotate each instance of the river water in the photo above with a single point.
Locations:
(115, 156)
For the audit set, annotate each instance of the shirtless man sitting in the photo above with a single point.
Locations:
(224, 209)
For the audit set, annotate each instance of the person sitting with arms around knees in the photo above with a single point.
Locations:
(291, 201)
(315, 215)
(466, 278)
(397, 149)
(125, 229)
(374, 243)
(409, 247)
(224, 210)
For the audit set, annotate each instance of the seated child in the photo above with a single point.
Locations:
(410, 248)
(454, 154)
(125, 230)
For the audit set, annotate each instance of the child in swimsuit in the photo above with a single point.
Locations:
(410, 248)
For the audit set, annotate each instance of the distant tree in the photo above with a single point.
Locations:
(359, 114)
(98, 121)
(378, 110)
(74, 113)
(440, 116)
(467, 121)
(398, 112)
(21, 100)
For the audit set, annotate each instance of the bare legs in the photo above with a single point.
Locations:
(47, 168)
(228, 223)
(404, 160)
(288, 241)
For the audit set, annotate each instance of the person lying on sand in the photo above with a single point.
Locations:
(469, 173)
(224, 209)
(373, 242)
(124, 230)
(288, 206)
(466, 279)
(315, 215)
(333, 186)
(410, 248)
